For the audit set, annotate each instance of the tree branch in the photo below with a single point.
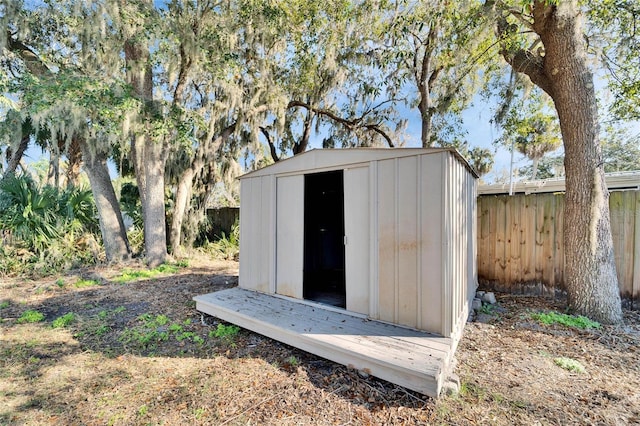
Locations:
(349, 124)
(524, 61)
(272, 147)
(31, 60)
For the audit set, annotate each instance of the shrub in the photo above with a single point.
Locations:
(64, 321)
(227, 248)
(30, 316)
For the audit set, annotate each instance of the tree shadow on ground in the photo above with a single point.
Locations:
(156, 319)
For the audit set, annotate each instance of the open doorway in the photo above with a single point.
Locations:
(324, 277)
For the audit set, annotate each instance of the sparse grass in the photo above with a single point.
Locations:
(97, 325)
(506, 370)
(30, 316)
(83, 283)
(60, 282)
(129, 275)
(553, 317)
(64, 321)
(5, 304)
(182, 263)
(143, 410)
(569, 364)
(487, 309)
(226, 333)
(156, 329)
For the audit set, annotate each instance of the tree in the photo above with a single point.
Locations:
(148, 154)
(322, 73)
(620, 150)
(67, 106)
(612, 34)
(436, 47)
(557, 63)
(531, 130)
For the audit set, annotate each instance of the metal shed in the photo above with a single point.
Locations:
(380, 234)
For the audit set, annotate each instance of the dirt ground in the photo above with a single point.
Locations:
(138, 353)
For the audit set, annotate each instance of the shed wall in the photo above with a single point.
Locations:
(256, 236)
(357, 213)
(410, 233)
(459, 265)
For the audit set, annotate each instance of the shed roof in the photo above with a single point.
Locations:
(330, 158)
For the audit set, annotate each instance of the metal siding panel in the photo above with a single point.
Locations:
(408, 240)
(386, 184)
(264, 238)
(356, 223)
(431, 242)
(289, 235)
(445, 326)
(254, 219)
(244, 279)
(272, 233)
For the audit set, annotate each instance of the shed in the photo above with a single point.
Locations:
(378, 234)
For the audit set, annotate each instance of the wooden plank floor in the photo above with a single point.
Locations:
(410, 358)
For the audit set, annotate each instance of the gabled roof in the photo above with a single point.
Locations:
(318, 159)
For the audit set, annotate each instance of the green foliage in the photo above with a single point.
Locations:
(64, 321)
(49, 230)
(226, 333)
(620, 150)
(148, 333)
(5, 304)
(552, 317)
(130, 201)
(531, 128)
(86, 283)
(153, 329)
(227, 248)
(487, 309)
(31, 214)
(129, 275)
(569, 364)
(30, 316)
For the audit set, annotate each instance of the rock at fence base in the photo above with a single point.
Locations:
(479, 294)
(476, 305)
(484, 318)
(490, 298)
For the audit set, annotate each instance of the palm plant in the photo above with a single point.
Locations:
(38, 216)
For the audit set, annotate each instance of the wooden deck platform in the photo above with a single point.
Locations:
(407, 357)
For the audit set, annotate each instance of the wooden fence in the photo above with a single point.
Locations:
(521, 250)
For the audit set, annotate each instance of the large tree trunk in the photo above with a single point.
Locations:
(13, 160)
(114, 235)
(74, 155)
(183, 195)
(563, 72)
(148, 158)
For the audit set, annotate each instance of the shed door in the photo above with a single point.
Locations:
(324, 278)
(289, 235)
(357, 249)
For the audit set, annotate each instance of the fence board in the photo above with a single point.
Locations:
(521, 248)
